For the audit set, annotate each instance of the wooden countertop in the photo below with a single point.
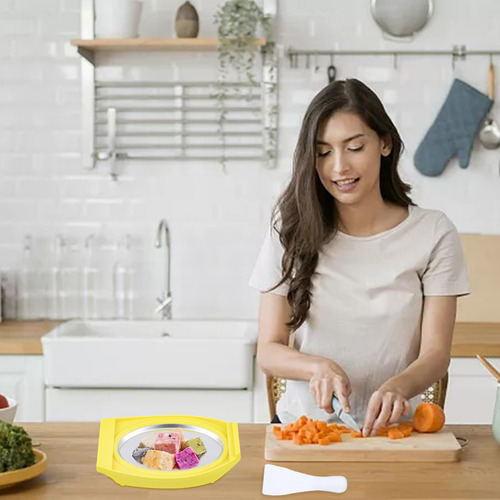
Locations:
(23, 337)
(71, 473)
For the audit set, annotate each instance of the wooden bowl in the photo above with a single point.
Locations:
(16, 476)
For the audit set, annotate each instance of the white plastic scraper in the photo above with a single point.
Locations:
(283, 481)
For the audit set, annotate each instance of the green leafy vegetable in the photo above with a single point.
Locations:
(16, 450)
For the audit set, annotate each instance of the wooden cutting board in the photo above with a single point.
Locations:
(439, 446)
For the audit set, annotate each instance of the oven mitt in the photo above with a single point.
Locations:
(453, 130)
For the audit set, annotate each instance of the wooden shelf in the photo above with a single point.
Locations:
(87, 48)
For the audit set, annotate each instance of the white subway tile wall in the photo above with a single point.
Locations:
(217, 218)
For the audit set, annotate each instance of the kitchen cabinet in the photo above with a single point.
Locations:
(21, 378)
(90, 405)
(471, 394)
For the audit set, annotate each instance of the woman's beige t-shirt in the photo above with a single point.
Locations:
(366, 307)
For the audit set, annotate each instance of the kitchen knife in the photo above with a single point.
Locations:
(345, 417)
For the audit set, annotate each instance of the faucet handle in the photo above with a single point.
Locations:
(165, 304)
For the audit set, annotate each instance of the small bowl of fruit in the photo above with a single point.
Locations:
(8, 408)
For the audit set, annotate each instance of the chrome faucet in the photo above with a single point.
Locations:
(165, 300)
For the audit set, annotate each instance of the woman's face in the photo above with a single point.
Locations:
(348, 157)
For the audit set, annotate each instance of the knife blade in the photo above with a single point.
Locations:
(345, 417)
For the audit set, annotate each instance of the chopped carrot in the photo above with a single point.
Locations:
(405, 423)
(395, 433)
(355, 434)
(323, 441)
(297, 439)
(335, 437)
(321, 426)
(279, 435)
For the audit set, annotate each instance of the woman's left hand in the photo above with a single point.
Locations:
(385, 407)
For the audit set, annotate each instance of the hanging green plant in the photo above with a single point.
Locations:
(239, 23)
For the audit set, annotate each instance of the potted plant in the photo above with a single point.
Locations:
(239, 23)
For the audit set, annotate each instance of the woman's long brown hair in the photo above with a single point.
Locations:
(305, 216)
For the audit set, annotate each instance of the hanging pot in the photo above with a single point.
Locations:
(186, 21)
(401, 18)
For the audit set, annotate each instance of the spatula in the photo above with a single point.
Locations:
(283, 481)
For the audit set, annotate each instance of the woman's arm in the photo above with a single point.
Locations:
(438, 322)
(391, 400)
(276, 358)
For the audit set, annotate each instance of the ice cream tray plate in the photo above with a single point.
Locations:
(119, 437)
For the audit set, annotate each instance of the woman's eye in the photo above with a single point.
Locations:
(321, 155)
(359, 148)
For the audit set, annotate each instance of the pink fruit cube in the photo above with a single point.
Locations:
(168, 441)
(186, 459)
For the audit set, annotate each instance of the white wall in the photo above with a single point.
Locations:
(217, 219)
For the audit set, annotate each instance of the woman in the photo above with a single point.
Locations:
(366, 280)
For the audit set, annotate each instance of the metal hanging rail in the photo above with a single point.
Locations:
(458, 52)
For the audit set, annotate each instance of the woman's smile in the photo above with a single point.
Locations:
(345, 185)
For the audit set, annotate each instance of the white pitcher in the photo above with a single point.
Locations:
(117, 18)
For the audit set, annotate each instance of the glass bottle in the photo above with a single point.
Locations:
(89, 280)
(56, 300)
(27, 283)
(123, 291)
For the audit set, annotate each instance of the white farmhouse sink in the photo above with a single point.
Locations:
(165, 354)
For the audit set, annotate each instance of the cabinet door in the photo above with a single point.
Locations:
(21, 378)
(90, 405)
(470, 398)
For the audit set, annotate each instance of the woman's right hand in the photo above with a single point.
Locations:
(329, 378)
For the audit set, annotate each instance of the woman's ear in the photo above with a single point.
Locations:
(386, 145)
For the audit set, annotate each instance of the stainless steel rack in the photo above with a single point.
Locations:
(187, 122)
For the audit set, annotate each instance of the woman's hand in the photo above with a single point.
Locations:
(385, 407)
(329, 378)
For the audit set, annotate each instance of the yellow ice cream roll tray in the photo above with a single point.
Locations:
(125, 443)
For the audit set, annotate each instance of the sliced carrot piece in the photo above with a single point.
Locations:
(404, 424)
(356, 434)
(406, 431)
(335, 437)
(297, 439)
(323, 441)
(395, 433)
(322, 426)
(279, 435)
